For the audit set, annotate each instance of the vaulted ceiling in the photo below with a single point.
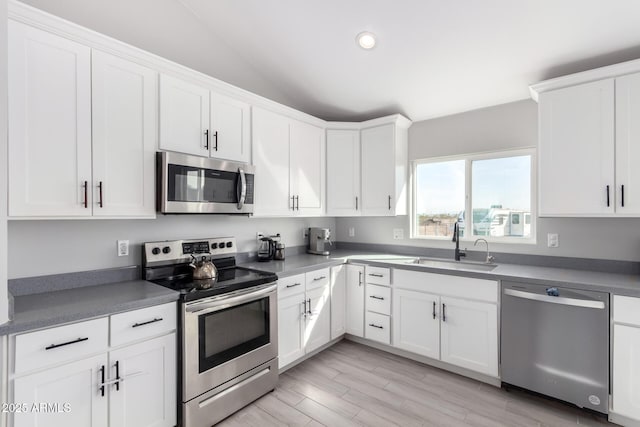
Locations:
(433, 57)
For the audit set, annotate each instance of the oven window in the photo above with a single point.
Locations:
(232, 332)
(189, 184)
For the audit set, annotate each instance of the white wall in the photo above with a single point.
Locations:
(497, 128)
(78, 245)
(3, 161)
(170, 30)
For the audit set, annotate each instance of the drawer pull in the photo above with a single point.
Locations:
(52, 346)
(434, 310)
(376, 275)
(376, 297)
(102, 380)
(157, 319)
(319, 278)
(117, 383)
(375, 326)
(294, 285)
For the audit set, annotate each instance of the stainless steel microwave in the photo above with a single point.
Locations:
(199, 185)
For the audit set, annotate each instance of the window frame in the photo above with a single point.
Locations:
(469, 159)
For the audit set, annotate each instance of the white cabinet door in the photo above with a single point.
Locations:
(576, 150)
(184, 117)
(378, 170)
(416, 322)
(343, 173)
(270, 148)
(338, 300)
(230, 124)
(469, 335)
(290, 329)
(355, 300)
(49, 124)
(76, 384)
(146, 396)
(627, 147)
(307, 168)
(124, 137)
(626, 371)
(318, 321)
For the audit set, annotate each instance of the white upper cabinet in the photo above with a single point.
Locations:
(307, 168)
(124, 137)
(343, 172)
(289, 157)
(49, 124)
(231, 127)
(270, 147)
(184, 117)
(576, 151)
(627, 146)
(195, 120)
(384, 170)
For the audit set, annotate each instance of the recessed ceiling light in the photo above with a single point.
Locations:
(366, 40)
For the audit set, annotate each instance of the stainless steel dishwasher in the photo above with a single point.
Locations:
(555, 341)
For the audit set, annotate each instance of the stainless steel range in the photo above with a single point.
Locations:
(228, 327)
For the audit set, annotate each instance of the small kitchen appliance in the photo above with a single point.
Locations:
(227, 326)
(319, 240)
(267, 249)
(279, 254)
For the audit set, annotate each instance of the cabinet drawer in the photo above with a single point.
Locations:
(143, 323)
(317, 278)
(626, 310)
(35, 350)
(291, 285)
(377, 327)
(378, 299)
(443, 284)
(378, 275)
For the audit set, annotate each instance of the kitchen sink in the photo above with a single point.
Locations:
(453, 265)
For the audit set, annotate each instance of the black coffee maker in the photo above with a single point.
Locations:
(267, 249)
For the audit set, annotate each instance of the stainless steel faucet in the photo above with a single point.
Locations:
(456, 238)
(489, 259)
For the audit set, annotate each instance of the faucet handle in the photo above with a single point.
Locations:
(490, 259)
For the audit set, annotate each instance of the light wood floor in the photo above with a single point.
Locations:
(351, 384)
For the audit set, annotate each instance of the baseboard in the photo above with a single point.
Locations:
(622, 420)
(427, 361)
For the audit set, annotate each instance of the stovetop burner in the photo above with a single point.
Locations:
(169, 267)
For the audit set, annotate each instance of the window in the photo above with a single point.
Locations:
(489, 195)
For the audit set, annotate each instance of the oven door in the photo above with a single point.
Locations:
(191, 184)
(226, 336)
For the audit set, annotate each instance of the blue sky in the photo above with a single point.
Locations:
(504, 181)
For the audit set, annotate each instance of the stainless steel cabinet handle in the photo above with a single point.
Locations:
(52, 346)
(100, 191)
(117, 383)
(102, 381)
(359, 278)
(155, 319)
(215, 135)
(434, 310)
(294, 285)
(574, 302)
(206, 139)
(304, 309)
(375, 326)
(376, 275)
(319, 278)
(356, 202)
(389, 202)
(86, 195)
(444, 313)
(293, 203)
(297, 203)
(376, 297)
(309, 312)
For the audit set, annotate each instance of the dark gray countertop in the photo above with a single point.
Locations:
(619, 284)
(54, 308)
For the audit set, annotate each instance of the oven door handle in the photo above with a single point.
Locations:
(225, 302)
(242, 194)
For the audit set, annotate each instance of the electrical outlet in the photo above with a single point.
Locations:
(305, 232)
(352, 232)
(259, 235)
(398, 233)
(123, 247)
(552, 240)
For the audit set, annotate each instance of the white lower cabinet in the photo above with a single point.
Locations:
(354, 319)
(449, 318)
(74, 391)
(304, 314)
(416, 322)
(125, 386)
(625, 391)
(338, 301)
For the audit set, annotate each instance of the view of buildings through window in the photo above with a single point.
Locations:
(500, 197)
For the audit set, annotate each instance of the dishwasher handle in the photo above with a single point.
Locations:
(574, 302)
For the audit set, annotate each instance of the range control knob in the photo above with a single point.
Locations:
(214, 246)
(155, 251)
(166, 250)
(229, 244)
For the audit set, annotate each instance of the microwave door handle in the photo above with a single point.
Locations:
(243, 188)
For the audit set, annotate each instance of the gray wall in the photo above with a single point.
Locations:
(64, 246)
(501, 127)
(170, 30)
